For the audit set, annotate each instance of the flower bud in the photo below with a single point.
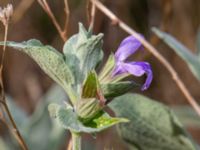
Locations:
(88, 108)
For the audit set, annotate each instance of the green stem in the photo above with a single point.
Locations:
(76, 141)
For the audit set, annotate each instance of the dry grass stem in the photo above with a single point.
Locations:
(88, 11)
(5, 15)
(152, 50)
(47, 9)
(67, 13)
(4, 49)
(93, 11)
(14, 128)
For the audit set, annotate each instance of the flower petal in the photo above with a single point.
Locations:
(118, 70)
(139, 69)
(127, 47)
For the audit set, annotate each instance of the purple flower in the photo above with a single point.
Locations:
(128, 47)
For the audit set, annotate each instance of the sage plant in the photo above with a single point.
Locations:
(87, 90)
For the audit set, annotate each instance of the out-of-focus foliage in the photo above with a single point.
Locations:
(187, 116)
(152, 126)
(191, 59)
(39, 130)
(43, 133)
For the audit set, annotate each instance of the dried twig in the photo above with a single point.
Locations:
(88, 11)
(67, 13)
(93, 10)
(14, 130)
(4, 48)
(151, 49)
(47, 9)
(5, 15)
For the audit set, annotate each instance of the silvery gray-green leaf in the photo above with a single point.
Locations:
(50, 60)
(83, 52)
(68, 119)
(152, 125)
(191, 59)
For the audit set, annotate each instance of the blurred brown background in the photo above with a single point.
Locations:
(26, 82)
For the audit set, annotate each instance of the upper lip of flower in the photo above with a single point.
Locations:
(128, 47)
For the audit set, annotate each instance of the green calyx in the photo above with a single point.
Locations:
(92, 98)
(86, 109)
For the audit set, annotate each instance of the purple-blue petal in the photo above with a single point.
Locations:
(127, 47)
(139, 69)
(118, 70)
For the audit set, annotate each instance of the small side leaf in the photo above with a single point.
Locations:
(152, 125)
(116, 89)
(192, 60)
(103, 120)
(68, 119)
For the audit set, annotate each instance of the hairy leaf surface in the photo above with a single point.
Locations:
(152, 125)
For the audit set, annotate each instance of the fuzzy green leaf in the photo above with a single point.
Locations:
(152, 125)
(68, 119)
(191, 59)
(83, 52)
(50, 60)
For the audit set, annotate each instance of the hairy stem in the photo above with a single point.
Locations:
(76, 141)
